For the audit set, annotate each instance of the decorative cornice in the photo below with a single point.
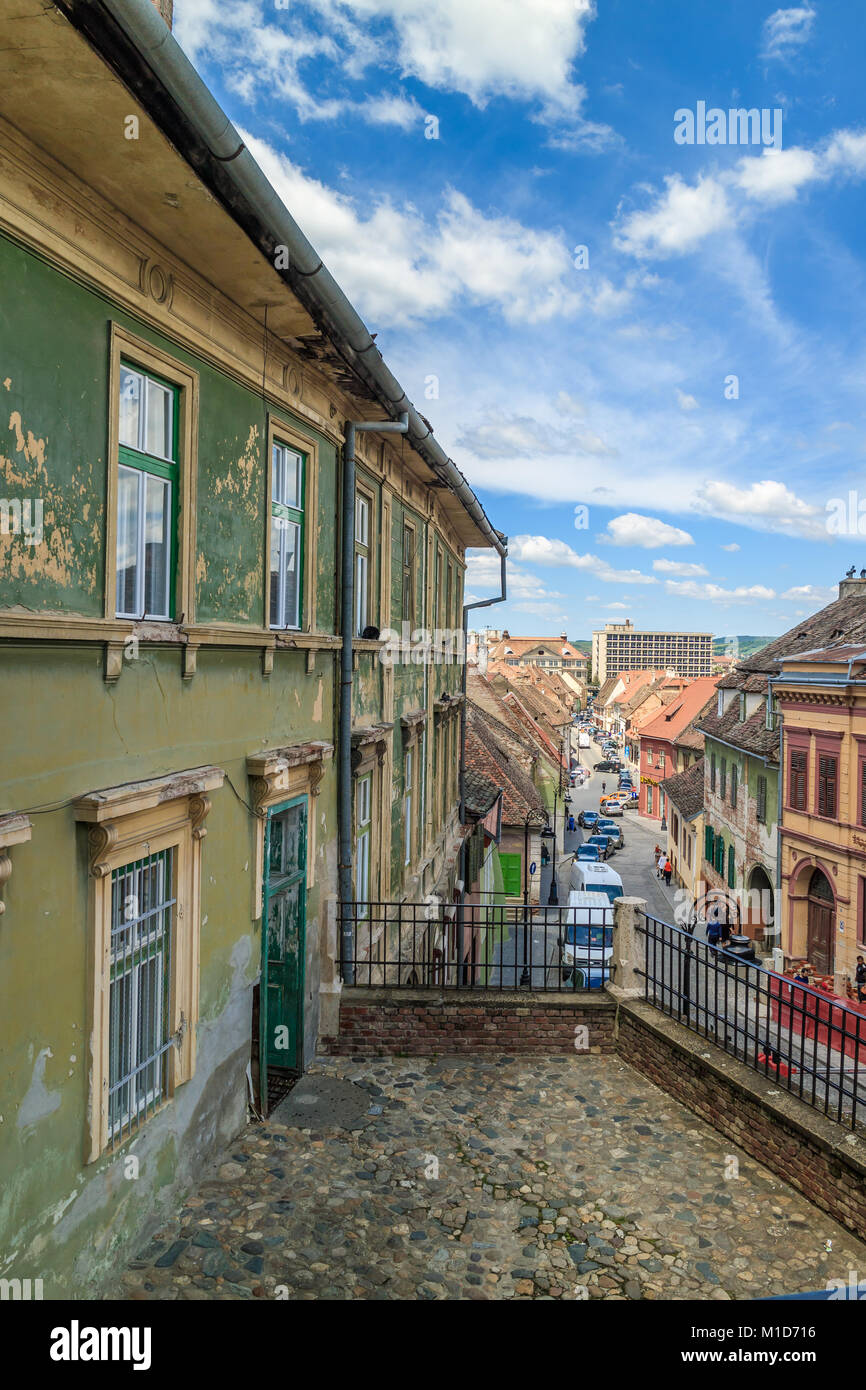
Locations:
(15, 829)
(412, 724)
(373, 739)
(269, 772)
(98, 808)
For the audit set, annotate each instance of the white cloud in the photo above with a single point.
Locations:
(679, 567)
(541, 550)
(521, 50)
(399, 267)
(525, 437)
(767, 505)
(686, 402)
(646, 531)
(817, 593)
(616, 605)
(732, 547)
(683, 216)
(714, 593)
(786, 31)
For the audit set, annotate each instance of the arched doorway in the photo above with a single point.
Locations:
(821, 915)
(759, 919)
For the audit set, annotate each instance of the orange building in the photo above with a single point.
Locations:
(820, 698)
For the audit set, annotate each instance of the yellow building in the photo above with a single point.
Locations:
(820, 699)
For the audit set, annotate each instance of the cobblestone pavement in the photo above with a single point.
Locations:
(487, 1178)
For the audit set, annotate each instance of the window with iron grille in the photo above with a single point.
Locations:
(828, 772)
(142, 915)
(363, 841)
(797, 779)
(761, 800)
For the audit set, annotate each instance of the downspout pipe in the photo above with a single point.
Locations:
(344, 731)
(467, 608)
(252, 200)
(777, 904)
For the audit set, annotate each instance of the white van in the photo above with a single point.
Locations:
(590, 877)
(586, 946)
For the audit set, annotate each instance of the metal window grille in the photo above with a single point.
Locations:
(142, 912)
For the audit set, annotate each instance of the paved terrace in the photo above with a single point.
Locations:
(487, 1178)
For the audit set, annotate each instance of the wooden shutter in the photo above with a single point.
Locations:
(826, 786)
(797, 766)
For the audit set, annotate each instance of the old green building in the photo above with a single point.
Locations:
(177, 372)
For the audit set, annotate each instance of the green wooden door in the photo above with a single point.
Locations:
(283, 923)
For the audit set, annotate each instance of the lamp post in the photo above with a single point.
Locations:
(553, 895)
(529, 819)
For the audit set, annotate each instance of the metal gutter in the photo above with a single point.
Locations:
(243, 189)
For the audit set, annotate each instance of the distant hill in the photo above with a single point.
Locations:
(746, 646)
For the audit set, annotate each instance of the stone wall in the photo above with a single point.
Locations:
(821, 1159)
(412, 1022)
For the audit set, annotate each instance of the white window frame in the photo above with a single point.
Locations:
(280, 452)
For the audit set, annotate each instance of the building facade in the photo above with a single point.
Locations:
(621, 647)
(173, 455)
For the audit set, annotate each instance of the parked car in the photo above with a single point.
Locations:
(605, 826)
(611, 805)
(604, 845)
(606, 766)
(587, 818)
(587, 851)
(632, 802)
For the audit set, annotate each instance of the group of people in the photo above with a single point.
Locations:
(664, 867)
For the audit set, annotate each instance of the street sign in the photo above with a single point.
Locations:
(532, 867)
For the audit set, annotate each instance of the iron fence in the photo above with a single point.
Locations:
(484, 946)
(799, 1039)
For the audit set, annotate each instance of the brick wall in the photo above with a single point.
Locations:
(388, 1022)
(817, 1157)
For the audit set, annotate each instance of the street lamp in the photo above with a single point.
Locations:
(530, 819)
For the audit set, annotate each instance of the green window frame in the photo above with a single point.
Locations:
(720, 854)
(148, 481)
(287, 536)
(709, 842)
(732, 868)
(408, 555)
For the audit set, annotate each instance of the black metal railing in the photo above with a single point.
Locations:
(800, 1039)
(486, 946)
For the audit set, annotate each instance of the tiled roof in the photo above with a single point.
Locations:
(752, 734)
(685, 790)
(670, 722)
(488, 759)
(841, 623)
(480, 792)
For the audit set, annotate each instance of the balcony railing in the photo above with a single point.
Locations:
(792, 1035)
(487, 946)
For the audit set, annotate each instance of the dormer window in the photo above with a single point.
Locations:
(720, 703)
(770, 715)
(742, 705)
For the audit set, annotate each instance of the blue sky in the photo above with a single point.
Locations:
(604, 386)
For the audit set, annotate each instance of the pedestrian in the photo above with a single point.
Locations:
(603, 787)
(571, 822)
(660, 865)
(667, 871)
(860, 979)
(802, 975)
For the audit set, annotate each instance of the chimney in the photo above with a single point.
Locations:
(563, 637)
(852, 588)
(165, 8)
